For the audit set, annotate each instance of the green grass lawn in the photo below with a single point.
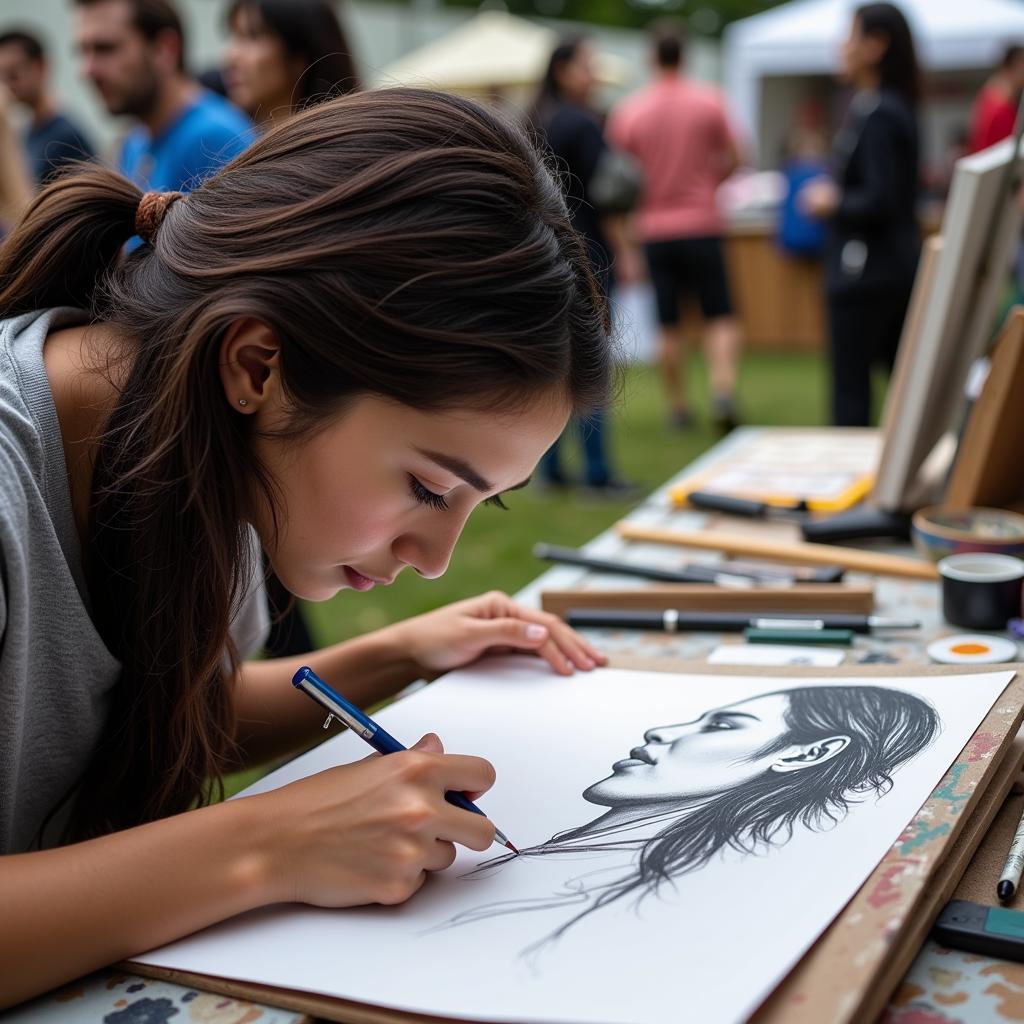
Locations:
(494, 551)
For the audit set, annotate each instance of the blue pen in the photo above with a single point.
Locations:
(366, 728)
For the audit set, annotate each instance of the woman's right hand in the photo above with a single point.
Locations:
(369, 832)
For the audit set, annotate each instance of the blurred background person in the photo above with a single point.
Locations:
(679, 132)
(564, 117)
(133, 53)
(873, 243)
(994, 113)
(282, 55)
(15, 185)
(52, 140)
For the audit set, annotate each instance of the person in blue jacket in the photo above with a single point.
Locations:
(133, 53)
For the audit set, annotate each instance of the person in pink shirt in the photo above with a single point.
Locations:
(678, 131)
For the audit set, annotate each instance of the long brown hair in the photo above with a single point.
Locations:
(403, 243)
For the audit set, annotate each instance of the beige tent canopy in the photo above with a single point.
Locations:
(493, 52)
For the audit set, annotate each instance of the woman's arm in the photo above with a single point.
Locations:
(361, 833)
(274, 719)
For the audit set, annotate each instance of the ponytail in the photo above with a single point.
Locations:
(67, 241)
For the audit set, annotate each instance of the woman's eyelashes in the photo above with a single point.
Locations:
(427, 497)
(436, 501)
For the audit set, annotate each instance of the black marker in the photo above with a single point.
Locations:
(672, 620)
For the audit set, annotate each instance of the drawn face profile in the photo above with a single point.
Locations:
(723, 748)
(742, 777)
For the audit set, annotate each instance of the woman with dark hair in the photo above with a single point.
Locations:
(742, 777)
(873, 241)
(562, 116)
(283, 55)
(373, 320)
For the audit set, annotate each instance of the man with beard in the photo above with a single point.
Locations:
(133, 53)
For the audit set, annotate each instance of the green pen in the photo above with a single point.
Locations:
(836, 637)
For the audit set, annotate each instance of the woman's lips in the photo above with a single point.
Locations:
(629, 762)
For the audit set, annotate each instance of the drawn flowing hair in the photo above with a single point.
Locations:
(886, 729)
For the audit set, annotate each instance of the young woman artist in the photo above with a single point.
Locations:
(372, 321)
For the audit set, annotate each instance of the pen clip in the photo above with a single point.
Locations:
(330, 718)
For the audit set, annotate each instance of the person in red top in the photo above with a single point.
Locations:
(678, 131)
(995, 109)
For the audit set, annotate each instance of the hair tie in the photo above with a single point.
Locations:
(153, 207)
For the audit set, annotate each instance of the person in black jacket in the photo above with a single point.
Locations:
(873, 240)
(570, 129)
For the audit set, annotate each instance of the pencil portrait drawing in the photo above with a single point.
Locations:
(745, 777)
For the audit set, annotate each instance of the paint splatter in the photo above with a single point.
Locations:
(924, 835)
(144, 1011)
(1011, 1000)
(887, 890)
(943, 977)
(906, 993)
(981, 746)
(211, 1009)
(947, 791)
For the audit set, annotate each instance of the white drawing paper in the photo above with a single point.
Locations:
(685, 840)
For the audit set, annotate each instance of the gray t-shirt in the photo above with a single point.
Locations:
(56, 674)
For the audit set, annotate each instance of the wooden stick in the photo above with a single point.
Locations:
(803, 597)
(780, 551)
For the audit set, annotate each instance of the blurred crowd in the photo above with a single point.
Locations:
(642, 179)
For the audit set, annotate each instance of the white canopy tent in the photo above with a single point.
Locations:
(489, 52)
(803, 38)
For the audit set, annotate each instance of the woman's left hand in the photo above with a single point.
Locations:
(491, 624)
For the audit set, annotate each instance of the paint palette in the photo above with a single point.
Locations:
(972, 648)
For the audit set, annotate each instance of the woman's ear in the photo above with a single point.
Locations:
(810, 754)
(248, 364)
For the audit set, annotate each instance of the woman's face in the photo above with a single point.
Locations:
(713, 753)
(384, 486)
(578, 76)
(259, 73)
(861, 54)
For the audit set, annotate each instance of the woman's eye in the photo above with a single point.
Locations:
(425, 497)
(717, 725)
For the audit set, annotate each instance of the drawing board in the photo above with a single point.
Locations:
(563, 934)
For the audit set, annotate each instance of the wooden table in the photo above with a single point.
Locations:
(942, 987)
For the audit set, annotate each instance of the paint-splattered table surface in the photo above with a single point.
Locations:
(942, 986)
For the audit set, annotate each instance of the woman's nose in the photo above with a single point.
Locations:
(429, 556)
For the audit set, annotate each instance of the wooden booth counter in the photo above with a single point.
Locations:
(779, 298)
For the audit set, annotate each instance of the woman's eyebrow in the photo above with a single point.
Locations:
(465, 472)
(462, 469)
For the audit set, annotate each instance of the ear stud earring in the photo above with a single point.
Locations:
(243, 401)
